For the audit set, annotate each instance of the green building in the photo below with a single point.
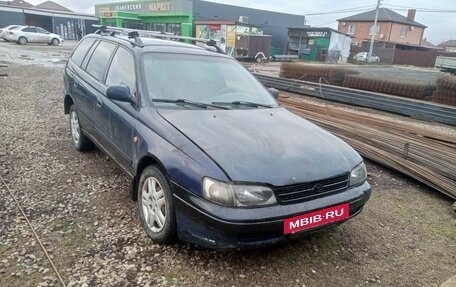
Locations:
(180, 17)
(169, 16)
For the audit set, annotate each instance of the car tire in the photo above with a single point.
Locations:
(55, 42)
(156, 208)
(22, 41)
(259, 60)
(80, 141)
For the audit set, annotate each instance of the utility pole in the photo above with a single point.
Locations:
(374, 30)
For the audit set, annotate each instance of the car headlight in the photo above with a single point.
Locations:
(236, 195)
(358, 174)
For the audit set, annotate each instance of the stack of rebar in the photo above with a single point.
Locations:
(315, 73)
(446, 91)
(379, 85)
(427, 155)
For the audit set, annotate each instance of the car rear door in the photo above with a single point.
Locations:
(122, 115)
(96, 71)
(29, 33)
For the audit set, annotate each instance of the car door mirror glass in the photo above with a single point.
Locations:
(119, 93)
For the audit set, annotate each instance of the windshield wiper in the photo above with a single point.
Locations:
(189, 102)
(243, 103)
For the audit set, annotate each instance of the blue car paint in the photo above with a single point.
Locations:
(268, 146)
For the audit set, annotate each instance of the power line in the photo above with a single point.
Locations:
(420, 9)
(353, 9)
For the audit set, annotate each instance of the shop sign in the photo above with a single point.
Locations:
(317, 33)
(160, 7)
(107, 14)
(214, 27)
(129, 7)
(147, 7)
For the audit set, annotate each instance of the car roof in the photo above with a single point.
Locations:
(9, 26)
(158, 45)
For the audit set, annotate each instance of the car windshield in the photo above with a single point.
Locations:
(174, 80)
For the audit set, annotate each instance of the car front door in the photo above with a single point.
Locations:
(96, 91)
(42, 35)
(122, 115)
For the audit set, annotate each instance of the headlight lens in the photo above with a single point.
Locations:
(358, 174)
(237, 195)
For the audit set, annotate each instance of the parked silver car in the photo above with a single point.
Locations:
(31, 34)
(364, 57)
(4, 31)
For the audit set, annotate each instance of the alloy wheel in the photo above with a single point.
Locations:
(75, 128)
(153, 204)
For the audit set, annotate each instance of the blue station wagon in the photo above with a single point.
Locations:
(215, 160)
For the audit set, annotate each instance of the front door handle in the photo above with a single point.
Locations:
(99, 102)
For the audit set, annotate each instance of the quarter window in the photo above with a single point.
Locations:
(122, 70)
(100, 60)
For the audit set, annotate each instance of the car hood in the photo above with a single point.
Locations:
(271, 146)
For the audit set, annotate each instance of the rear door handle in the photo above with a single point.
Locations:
(99, 102)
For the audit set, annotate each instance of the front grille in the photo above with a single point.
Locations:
(306, 191)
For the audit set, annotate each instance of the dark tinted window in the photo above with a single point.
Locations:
(100, 59)
(41, 30)
(81, 51)
(89, 54)
(32, 30)
(122, 70)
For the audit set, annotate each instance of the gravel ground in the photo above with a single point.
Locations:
(80, 205)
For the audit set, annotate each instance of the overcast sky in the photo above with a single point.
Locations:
(441, 26)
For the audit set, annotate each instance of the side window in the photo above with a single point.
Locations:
(89, 54)
(30, 30)
(122, 70)
(81, 50)
(100, 60)
(41, 30)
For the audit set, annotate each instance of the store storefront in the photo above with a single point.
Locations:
(164, 16)
(319, 44)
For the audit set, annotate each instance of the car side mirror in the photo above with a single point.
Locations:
(274, 92)
(119, 93)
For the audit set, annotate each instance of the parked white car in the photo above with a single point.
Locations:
(4, 31)
(31, 34)
(363, 57)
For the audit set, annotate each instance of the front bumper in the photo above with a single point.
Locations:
(207, 224)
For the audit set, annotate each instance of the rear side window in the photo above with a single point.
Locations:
(31, 30)
(100, 60)
(122, 70)
(81, 51)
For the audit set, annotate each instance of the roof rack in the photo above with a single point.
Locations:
(137, 34)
